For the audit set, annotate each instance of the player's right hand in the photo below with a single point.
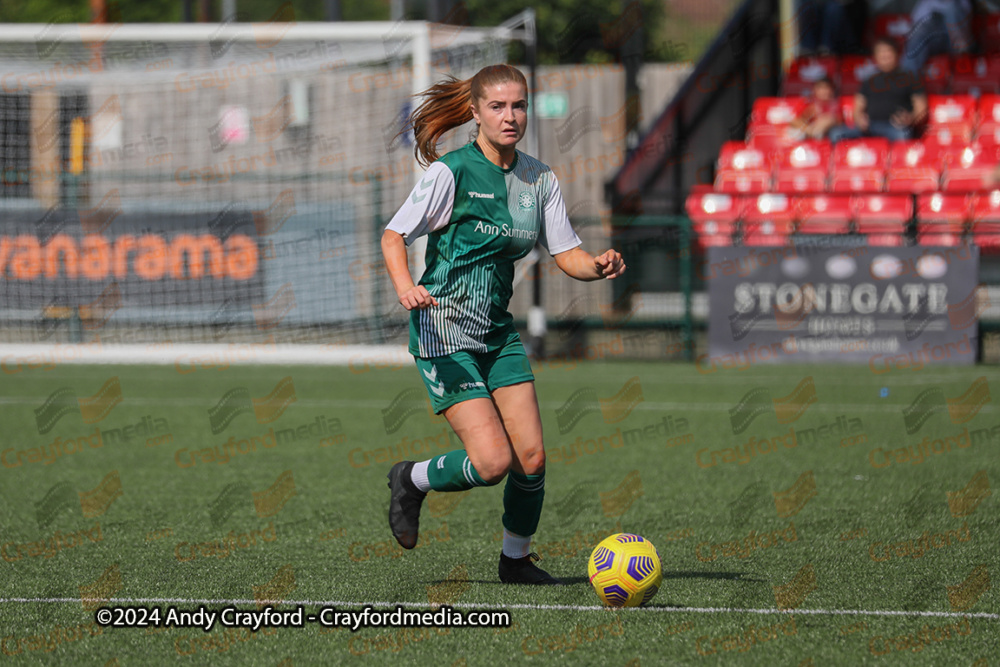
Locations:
(417, 297)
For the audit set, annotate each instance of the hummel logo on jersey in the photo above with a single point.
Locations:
(440, 463)
(438, 388)
(424, 184)
(481, 195)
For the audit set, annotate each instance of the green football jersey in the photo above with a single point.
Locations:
(479, 219)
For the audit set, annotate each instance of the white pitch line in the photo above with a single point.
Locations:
(538, 607)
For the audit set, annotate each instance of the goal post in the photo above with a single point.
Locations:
(200, 184)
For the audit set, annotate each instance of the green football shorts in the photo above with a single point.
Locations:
(462, 375)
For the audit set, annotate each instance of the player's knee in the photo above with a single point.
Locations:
(533, 461)
(494, 470)
(494, 479)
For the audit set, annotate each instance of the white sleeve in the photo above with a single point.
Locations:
(429, 205)
(557, 233)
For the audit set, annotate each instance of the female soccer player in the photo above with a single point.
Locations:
(482, 206)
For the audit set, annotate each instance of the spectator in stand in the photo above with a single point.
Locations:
(820, 116)
(891, 103)
(939, 27)
(830, 26)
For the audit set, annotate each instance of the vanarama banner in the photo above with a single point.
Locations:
(121, 260)
(265, 264)
(886, 307)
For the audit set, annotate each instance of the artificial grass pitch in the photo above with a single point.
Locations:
(778, 498)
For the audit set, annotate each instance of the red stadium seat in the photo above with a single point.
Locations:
(766, 233)
(912, 168)
(932, 238)
(800, 180)
(984, 212)
(991, 140)
(803, 167)
(937, 75)
(773, 206)
(861, 153)
(767, 140)
(894, 26)
(723, 210)
(885, 239)
(713, 217)
(975, 75)
(913, 153)
(854, 70)
(918, 179)
(940, 213)
(714, 206)
(742, 169)
(946, 156)
(857, 181)
(859, 165)
(941, 219)
(937, 150)
(714, 240)
(989, 120)
(776, 110)
(972, 164)
(743, 182)
(805, 71)
(770, 118)
(951, 116)
(824, 214)
(882, 214)
(987, 29)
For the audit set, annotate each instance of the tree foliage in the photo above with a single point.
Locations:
(171, 11)
(577, 31)
(569, 31)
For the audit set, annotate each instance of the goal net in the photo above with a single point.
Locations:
(222, 184)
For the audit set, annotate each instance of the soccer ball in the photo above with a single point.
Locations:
(625, 570)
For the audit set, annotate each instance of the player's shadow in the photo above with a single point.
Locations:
(573, 581)
(569, 581)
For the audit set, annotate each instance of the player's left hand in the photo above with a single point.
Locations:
(609, 265)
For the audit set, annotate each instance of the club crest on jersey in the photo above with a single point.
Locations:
(526, 200)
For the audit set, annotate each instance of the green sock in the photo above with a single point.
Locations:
(453, 472)
(522, 502)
